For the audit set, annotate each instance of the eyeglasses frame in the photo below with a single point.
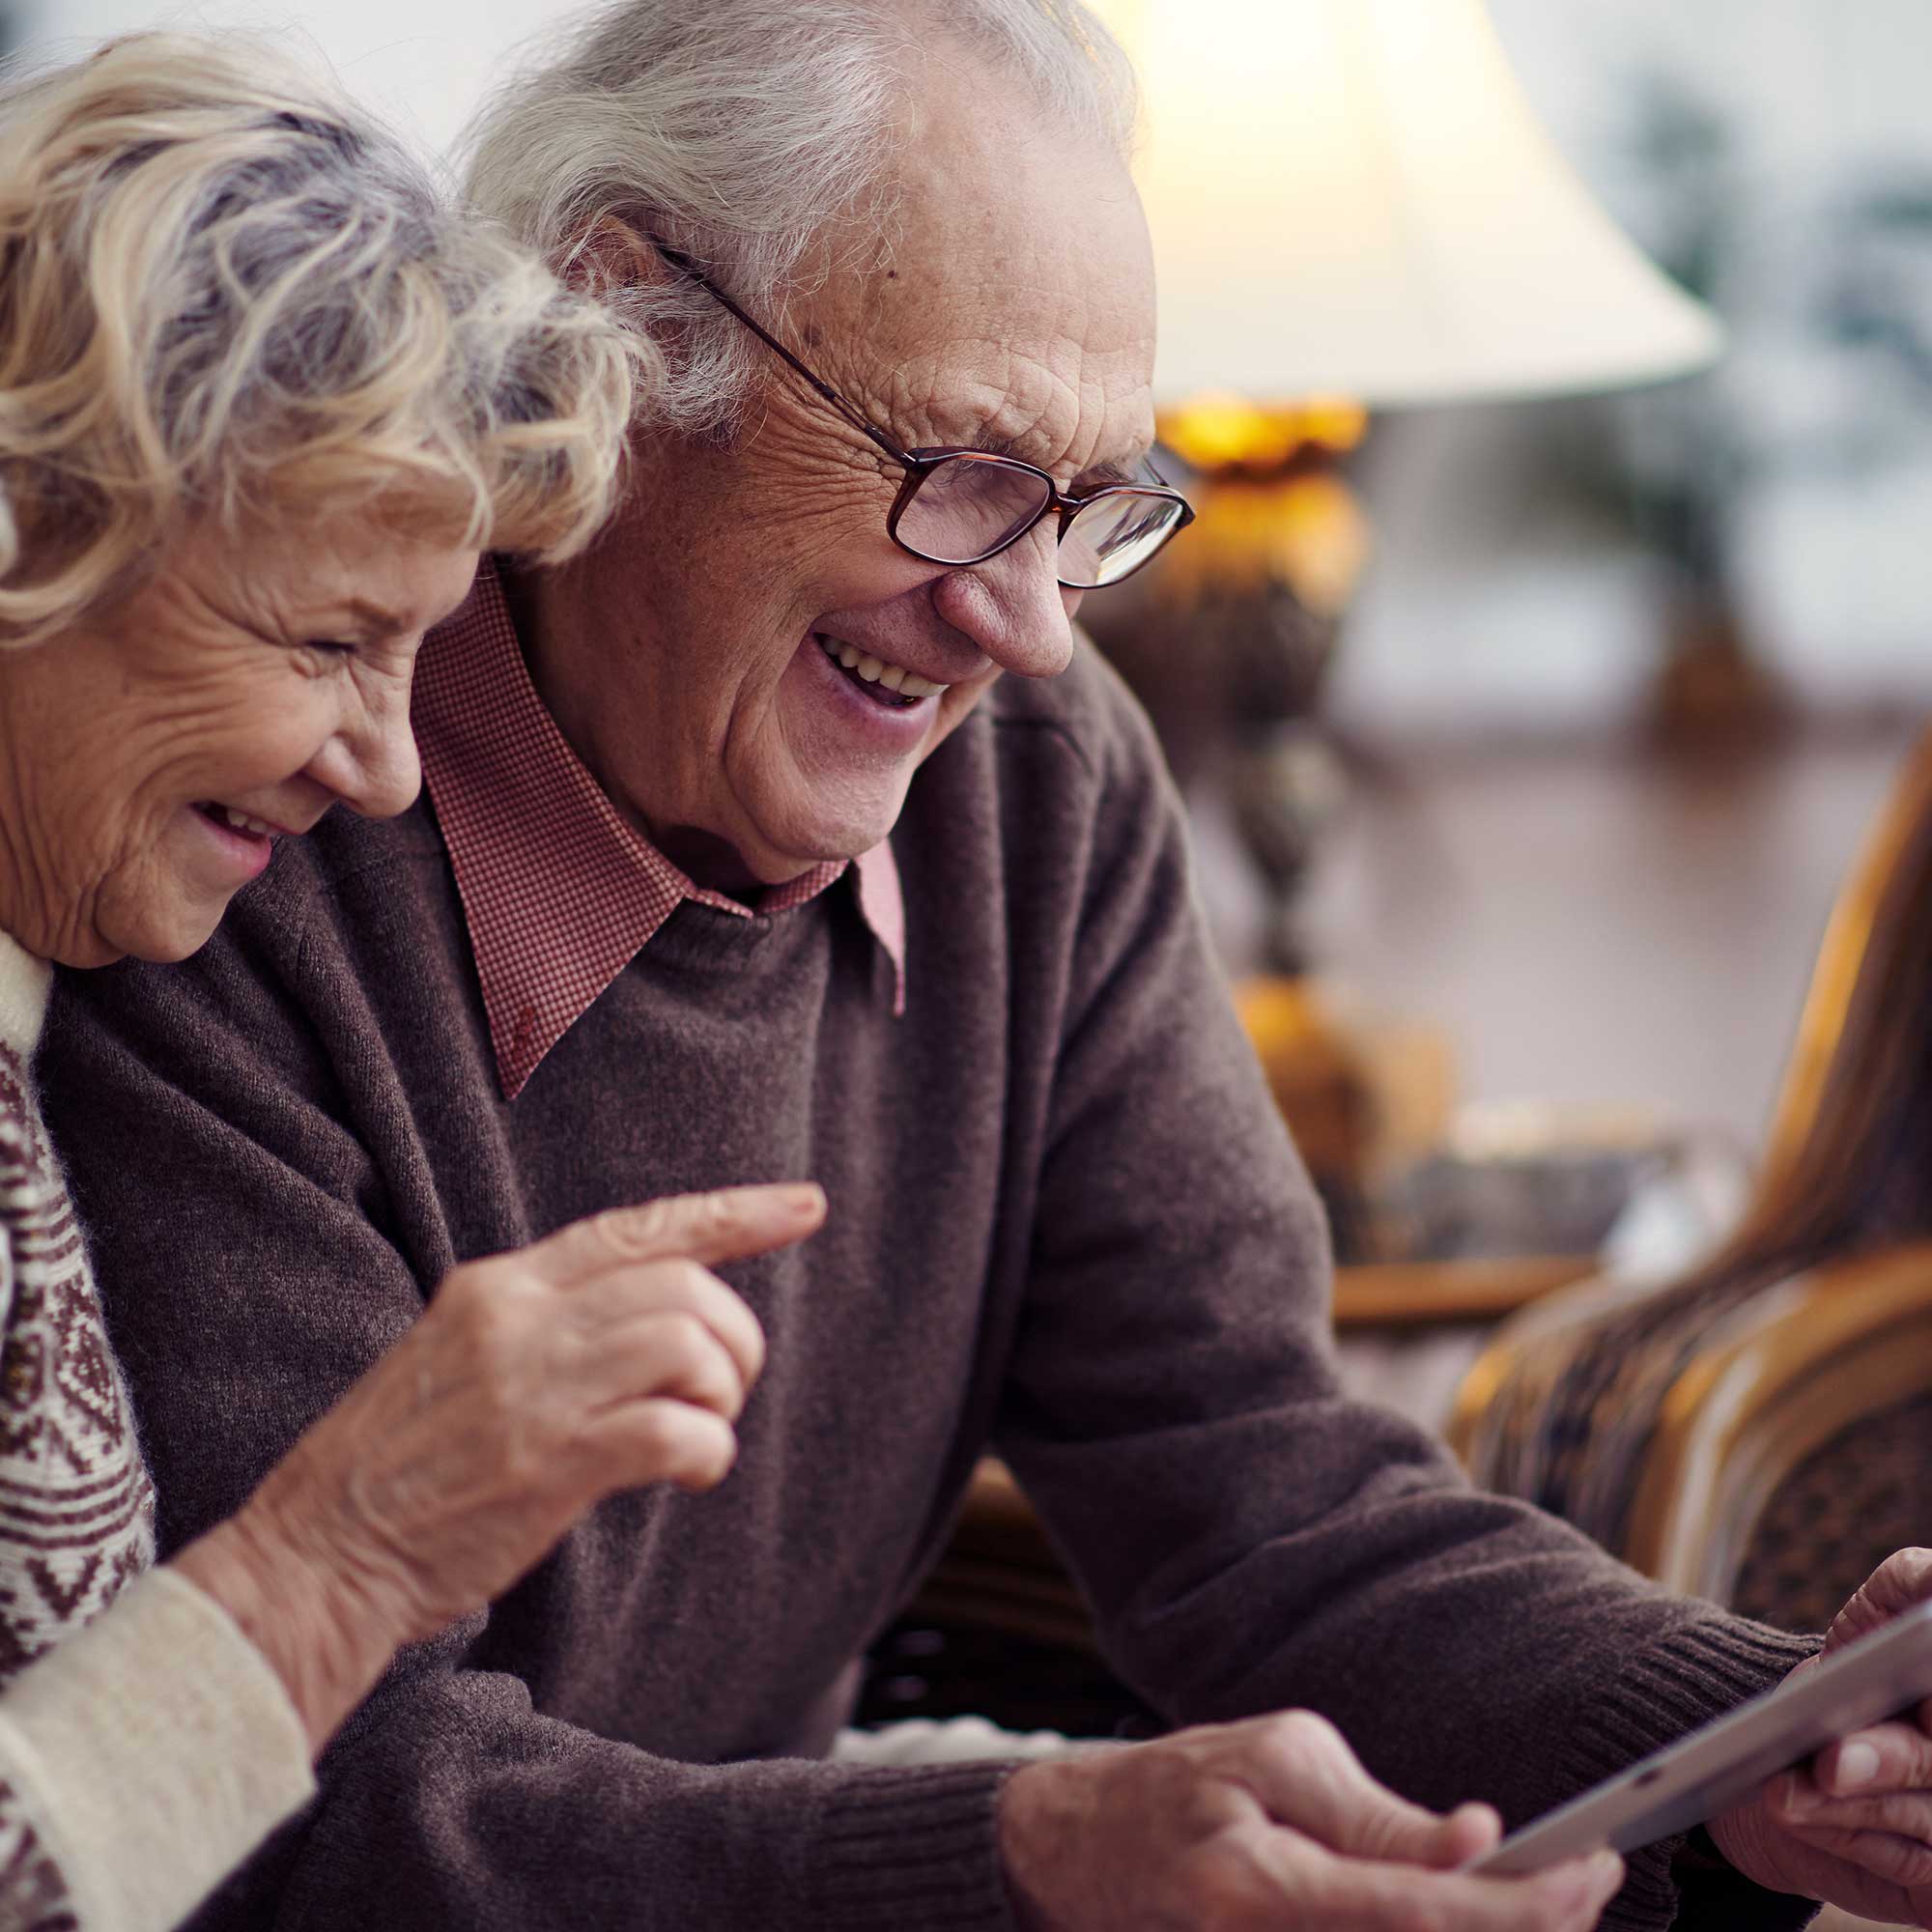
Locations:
(919, 464)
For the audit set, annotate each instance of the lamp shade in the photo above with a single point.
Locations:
(1355, 196)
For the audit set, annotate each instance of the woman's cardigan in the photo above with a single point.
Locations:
(145, 1746)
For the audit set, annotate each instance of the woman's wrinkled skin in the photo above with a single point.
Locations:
(269, 676)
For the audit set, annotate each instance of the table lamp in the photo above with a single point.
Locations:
(1353, 197)
(1353, 208)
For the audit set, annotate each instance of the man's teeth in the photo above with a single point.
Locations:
(876, 670)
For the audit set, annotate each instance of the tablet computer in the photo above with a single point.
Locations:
(1713, 1769)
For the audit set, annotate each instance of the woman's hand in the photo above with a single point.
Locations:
(536, 1383)
(1854, 1827)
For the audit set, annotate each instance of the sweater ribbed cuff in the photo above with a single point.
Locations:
(1673, 1687)
(25, 982)
(154, 1751)
(914, 1846)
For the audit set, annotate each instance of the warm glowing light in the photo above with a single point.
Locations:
(1307, 531)
(1335, 422)
(1219, 430)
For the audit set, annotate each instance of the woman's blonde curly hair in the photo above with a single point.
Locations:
(226, 292)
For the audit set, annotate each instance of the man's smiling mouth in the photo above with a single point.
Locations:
(886, 683)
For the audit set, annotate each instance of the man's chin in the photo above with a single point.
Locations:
(848, 839)
(723, 864)
(830, 832)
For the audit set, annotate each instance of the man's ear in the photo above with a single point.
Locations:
(612, 257)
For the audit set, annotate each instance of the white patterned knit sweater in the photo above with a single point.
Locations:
(77, 1507)
(145, 1748)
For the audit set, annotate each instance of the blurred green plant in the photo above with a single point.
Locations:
(1827, 287)
(1672, 461)
(1876, 304)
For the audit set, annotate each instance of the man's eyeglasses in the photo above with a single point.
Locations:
(962, 506)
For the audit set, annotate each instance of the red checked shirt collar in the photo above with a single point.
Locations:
(559, 890)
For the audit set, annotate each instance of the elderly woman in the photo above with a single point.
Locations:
(262, 400)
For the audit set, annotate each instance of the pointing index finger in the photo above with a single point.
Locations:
(728, 1224)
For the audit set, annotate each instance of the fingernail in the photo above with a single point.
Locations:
(1858, 1766)
(1790, 1795)
(805, 1197)
(1484, 1818)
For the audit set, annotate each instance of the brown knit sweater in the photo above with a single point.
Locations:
(1065, 1220)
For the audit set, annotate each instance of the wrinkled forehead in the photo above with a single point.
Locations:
(1014, 301)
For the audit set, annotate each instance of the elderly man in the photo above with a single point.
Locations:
(793, 832)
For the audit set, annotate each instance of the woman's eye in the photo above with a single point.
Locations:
(330, 647)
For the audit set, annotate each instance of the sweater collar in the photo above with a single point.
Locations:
(25, 982)
(559, 890)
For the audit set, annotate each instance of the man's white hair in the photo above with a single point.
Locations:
(741, 133)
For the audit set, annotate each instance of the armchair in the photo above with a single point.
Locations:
(1758, 1430)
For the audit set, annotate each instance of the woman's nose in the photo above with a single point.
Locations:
(371, 763)
(1013, 607)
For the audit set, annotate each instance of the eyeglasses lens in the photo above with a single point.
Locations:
(1114, 535)
(965, 509)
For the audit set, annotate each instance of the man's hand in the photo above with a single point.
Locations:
(1855, 1827)
(1271, 1824)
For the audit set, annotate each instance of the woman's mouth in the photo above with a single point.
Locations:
(887, 684)
(240, 843)
(227, 818)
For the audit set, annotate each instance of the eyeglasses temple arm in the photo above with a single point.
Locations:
(823, 390)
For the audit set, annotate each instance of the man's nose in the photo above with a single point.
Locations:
(371, 763)
(1012, 607)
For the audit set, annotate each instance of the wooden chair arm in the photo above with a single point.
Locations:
(1414, 1294)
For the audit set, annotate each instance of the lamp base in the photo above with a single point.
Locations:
(1710, 694)
(1323, 1085)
